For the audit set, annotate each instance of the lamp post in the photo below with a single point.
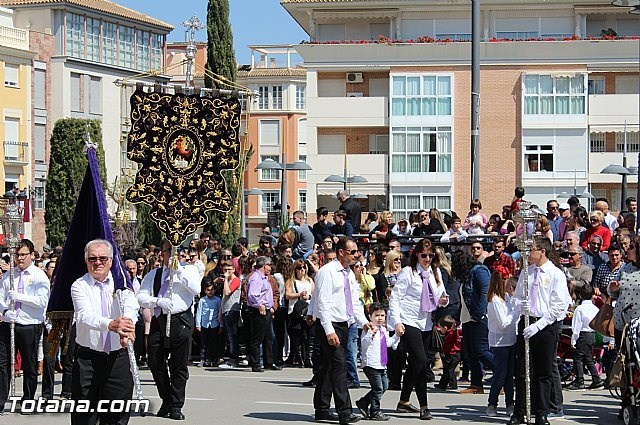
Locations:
(243, 209)
(283, 167)
(622, 171)
(345, 179)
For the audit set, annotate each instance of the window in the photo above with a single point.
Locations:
(11, 75)
(77, 102)
(39, 194)
(156, 51)
(454, 36)
(302, 174)
(39, 88)
(403, 205)
(11, 134)
(517, 35)
(301, 96)
(269, 132)
(302, 200)
(302, 131)
(109, 43)
(125, 45)
(538, 158)
(40, 142)
(426, 95)
(549, 95)
(268, 199)
(276, 97)
(596, 86)
(379, 144)
(143, 50)
(271, 175)
(75, 35)
(597, 142)
(263, 98)
(333, 144)
(95, 96)
(93, 39)
(421, 150)
(633, 142)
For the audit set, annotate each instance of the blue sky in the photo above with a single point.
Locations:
(252, 21)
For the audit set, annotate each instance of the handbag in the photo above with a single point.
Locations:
(436, 343)
(603, 322)
(617, 376)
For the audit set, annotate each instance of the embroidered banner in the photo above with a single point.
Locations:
(183, 143)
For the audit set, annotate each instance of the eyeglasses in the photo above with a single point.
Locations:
(96, 259)
(22, 254)
(429, 256)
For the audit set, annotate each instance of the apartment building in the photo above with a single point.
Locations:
(389, 82)
(176, 67)
(277, 130)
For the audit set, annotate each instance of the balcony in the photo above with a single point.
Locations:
(14, 37)
(348, 111)
(610, 111)
(16, 153)
(373, 167)
(599, 160)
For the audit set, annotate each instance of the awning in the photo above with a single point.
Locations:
(631, 128)
(364, 188)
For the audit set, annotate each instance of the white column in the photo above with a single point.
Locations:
(312, 27)
(577, 19)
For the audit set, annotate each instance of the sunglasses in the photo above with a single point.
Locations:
(141, 262)
(301, 268)
(397, 260)
(351, 251)
(475, 248)
(571, 254)
(595, 243)
(226, 257)
(96, 259)
(358, 266)
(429, 256)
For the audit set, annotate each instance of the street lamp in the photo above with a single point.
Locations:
(622, 171)
(345, 179)
(243, 212)
(283, 167)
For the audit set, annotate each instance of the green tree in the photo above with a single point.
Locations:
(67, 166)
(148, 231)
(221, 58)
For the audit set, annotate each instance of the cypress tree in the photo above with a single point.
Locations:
(221, 58)
(67, 166)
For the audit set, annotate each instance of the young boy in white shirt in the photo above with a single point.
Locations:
(374, 343)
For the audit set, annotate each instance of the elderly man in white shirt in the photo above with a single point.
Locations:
(336, 307)
(30, 295)
(103, 328)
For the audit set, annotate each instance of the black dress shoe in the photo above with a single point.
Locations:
(353, 385)
(310, 383)
(406, 408)
(425, 415)
(176, 415)
(394, 387)
(542, 420)
(163, 412)
(257, 369)
(349, 419)
(515, 420)
(274, 367)
(326, 416)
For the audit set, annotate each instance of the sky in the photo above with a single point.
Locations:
(252, 21)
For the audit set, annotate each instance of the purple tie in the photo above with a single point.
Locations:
(347, 293)
(20, 290)
(383, 347)
(104, 296)
(428, 302)
(163, 290)
(535, 289)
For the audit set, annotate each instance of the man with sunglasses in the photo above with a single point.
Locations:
(554, 218)
(336, 307)
(593, 255)
(30, 295)
(578, 274)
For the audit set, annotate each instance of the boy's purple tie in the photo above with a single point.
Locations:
(383, 347)
(347, 293)
(104, 297)
(20, 290)
(428, 303)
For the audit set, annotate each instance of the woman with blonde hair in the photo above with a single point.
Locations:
(366, 285)
(298, 289)
(392, 266)
(385, 224)
(437, 221)
(596, 218)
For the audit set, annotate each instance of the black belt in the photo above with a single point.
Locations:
(83, 349)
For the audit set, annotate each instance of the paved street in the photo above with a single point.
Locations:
(242, 397)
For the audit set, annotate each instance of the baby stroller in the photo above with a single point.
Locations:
(566, 351)
(630, 384)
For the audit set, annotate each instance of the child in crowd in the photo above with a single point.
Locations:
(455, 234)
(208, 324)
(451, 345)
(502, 313)
(583, 340)
(374, 363)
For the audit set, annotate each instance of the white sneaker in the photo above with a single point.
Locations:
(492, 410)
(226, 365)
(200, 364)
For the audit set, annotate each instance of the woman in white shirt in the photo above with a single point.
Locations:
(502, 313)
(417, 293)
(298, 290)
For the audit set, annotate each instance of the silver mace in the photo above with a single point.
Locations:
(132, 355)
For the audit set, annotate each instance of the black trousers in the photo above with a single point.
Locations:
(66, 359)
(48, 369)
(27, 338)
(169, 366)
(395, 366)
(279, 327)
(557, 400)
(101, 376)
(139, 343)
(416, 345)
(209, 345)
(332, 377)
(542, 347)
(584, 356)
(449, 364)
(260, 333)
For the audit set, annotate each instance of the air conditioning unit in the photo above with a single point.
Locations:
(355, 94)
(354, 77)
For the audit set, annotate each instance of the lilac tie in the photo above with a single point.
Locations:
(428, 303)
(535, 289)
(20, 290)
(347, 293)
(163, 290)
(104, 297)
(383, 347)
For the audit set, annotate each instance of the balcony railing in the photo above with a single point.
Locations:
(15, 151)
(14, 37)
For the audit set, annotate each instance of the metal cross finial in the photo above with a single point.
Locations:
(192, 25)
(88, 144)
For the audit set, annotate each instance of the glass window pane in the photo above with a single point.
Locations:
(428, 163)
(546, 84)
(398, 164)
(444, 202)
(531, 84)
(546, 104)
(413, 163)
(562, 104)
(399, 202)
(577, 84)
(399, 143)
(397, 106)
(413, 106)
(444, 106)
(531, 105)
(413, 202)
(428, 202)
(444, 86)
(444, 163)
(429, 86)
(429, 142)
(399, 86)
(428, 106)
(413, 86)
(413, 143)
(562, 85)
(444, 142)
(577, 104)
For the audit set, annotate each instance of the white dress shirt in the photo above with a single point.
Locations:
(370, 348)
(87, 303)
(502, 319)
(186, 284)
(329, 293)
(553, 293)
(406, 298)
(35, 298)
(582, 316)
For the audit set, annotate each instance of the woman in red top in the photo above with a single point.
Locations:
(596, 218)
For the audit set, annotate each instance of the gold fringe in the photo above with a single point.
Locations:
(60, 328)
